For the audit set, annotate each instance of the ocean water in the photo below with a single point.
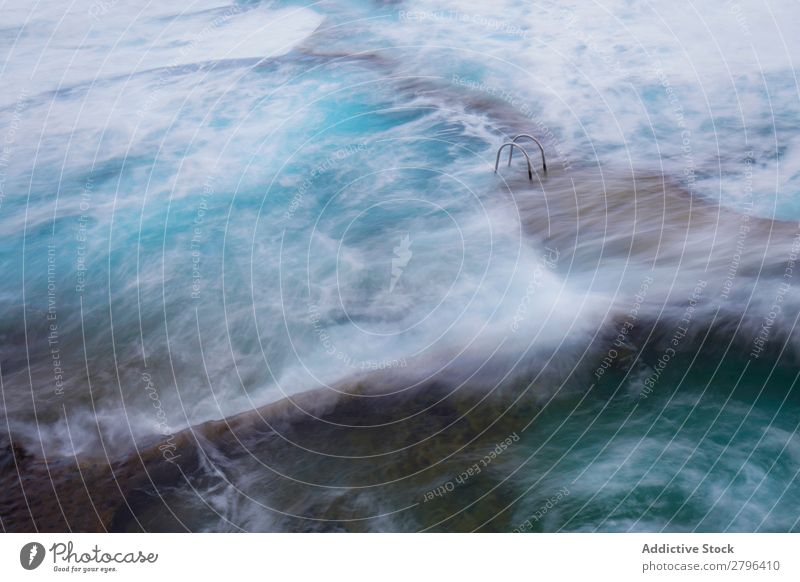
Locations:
(210, 211)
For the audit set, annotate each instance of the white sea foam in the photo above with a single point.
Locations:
(177, 131)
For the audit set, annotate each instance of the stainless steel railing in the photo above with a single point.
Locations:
(512, 145)
(538, 143)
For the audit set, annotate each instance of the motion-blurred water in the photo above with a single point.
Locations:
(205, 210)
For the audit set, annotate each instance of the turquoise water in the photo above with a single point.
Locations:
(708, 452)
(238, 204)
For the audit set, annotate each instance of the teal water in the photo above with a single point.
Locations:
(707, 452)
(273, 198)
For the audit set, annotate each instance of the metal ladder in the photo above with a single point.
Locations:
(512, 144)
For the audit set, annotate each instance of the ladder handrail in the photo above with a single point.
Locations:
(513, 145)
(541, 148)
